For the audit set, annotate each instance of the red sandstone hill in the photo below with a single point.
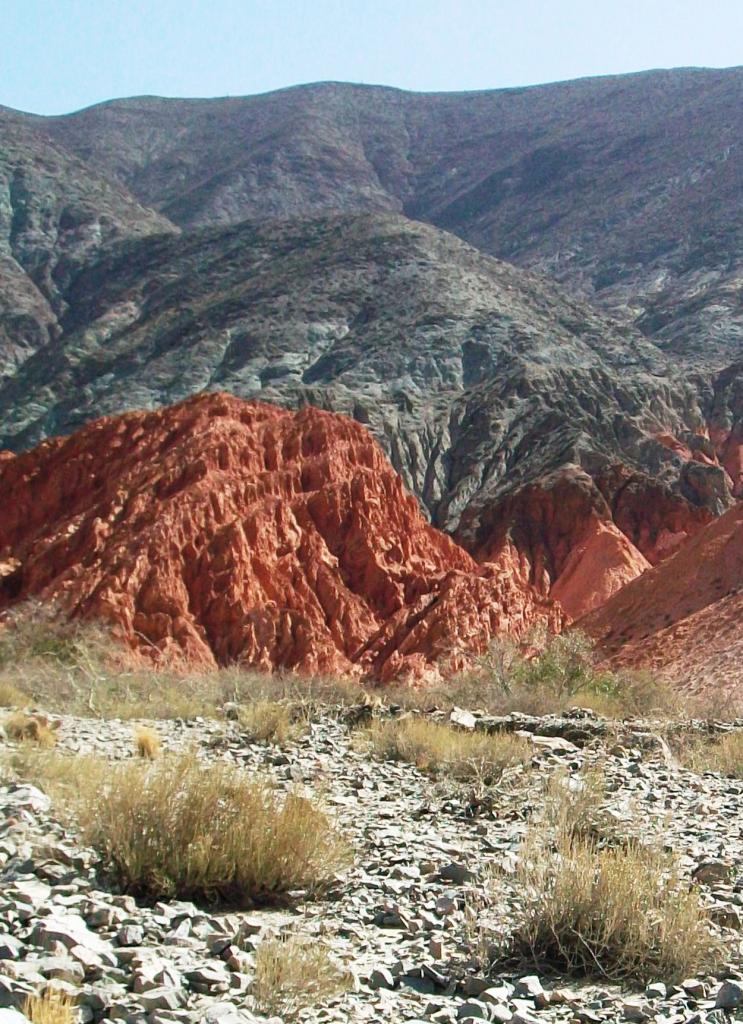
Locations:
(684, 617)
(223, 530)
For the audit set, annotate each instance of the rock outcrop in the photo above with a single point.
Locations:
(221, 530)
(683, 618)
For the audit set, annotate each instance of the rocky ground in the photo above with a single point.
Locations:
(408, 919)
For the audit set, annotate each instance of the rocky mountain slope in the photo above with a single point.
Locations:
(484, 384)
(626, 189)
(581, 422)
(55, 213)
(222, 531)
(683, 618)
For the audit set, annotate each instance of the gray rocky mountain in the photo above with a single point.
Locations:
(626, 189)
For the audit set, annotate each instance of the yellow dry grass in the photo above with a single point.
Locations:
(723, 755)
(176, 828)
(293, 972)
(618, 913)
(29, 729)
(439, 748)
(53, 1007)
(147, 743)
(270, 721)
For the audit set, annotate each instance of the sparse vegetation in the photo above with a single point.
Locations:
(574, 807)
(53, 1007)
(30, 729)
(11, 696)
(723, 754)
(293, 972)
(175, 829)
(146, 742)
(619, 913)
(555, 673)
(439, 748)
(270, 721)
(79, 668)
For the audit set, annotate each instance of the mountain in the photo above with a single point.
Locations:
(220, 530)
(482, 382)
(683, 617)
(55, 213)
(626, 189)
(577, 410)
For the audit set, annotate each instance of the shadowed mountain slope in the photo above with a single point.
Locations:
(626, 189)
(55, 213)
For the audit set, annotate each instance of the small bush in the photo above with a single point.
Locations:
(30, 729)
(438, 748)
(559, 672)
(176, 829)
(723, 755)
(11, 696)
(574, 808)
(619, 913)
(292, 972)
(53, 1007)
(267, 721)
(146, 742)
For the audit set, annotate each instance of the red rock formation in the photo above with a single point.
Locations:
(562, 535)
(683, 618)
(223, 530)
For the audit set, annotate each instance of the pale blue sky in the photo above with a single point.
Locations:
(60, 55)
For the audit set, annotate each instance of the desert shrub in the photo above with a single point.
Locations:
(176, 829)
(553, 674)
(620, 913)
(270, 721)
(30, 729)
(53, 1007)
(438, 748)
(293, 972)
(723, 754)
(146, 742)
(573, 807)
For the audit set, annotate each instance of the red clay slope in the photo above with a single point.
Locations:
(684, 618)
(224, 530)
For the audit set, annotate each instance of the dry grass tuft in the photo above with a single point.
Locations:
(269, 721)
(64, 777)
(438, 748)
(11, 696)
(616, 911)
(574, 807)
(30, 729)
(723, 755)
(292, 972)
(176, 829)
(53, 1007)
(147, 743)
(598, 903)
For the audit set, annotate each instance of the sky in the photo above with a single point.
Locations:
(61, 55)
